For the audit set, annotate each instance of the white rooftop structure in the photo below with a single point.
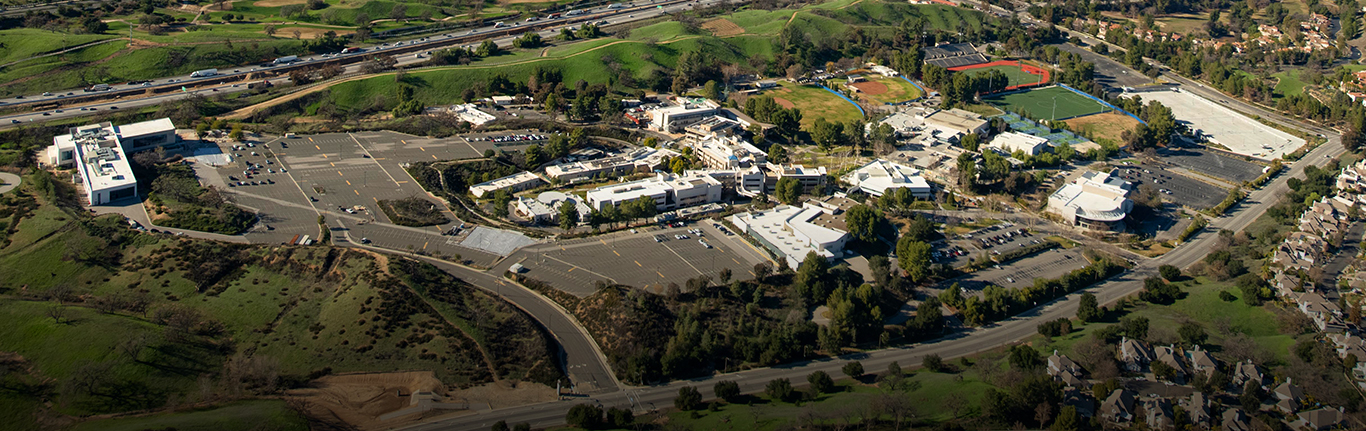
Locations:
(727, 152)
(1010, 142)
(512, 183)
(1097, 200)
(669, 192)
(685, 111)
(793, 232)
(99, 152)
(876, 177)
(468, 112)
(639, 159)
(546, 207)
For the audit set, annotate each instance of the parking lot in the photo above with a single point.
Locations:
(1238, 133)
(1236, 171)
(1174, 188)
(637, 259)
(1021, 273)
(992, 240)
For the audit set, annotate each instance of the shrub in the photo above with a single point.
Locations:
(1089, 310)
(821, 382)
(779, 390)
(1169, 272)
(1056, 328)
(586, 416)
(933, 363)
(726, 390)
(853, 369)
(688, 399)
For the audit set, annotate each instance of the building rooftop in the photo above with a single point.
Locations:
(1095, 196)
(879, 175)
(957, 119)
(160, 125)
(503, 183)
(100, 156)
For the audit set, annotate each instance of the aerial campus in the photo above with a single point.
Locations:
(682, 214)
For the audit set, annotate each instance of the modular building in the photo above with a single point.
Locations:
(512, 183)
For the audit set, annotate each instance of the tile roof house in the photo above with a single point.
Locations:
(1134, 354)
(1288, 396)
(1348, 344)
(1235, 420)
(1158, 414)
(1118, 407)
(1197, 406)
(1246, 372)
(1320, 419)
(1200, 361)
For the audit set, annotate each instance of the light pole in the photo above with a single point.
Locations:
(1055, 112)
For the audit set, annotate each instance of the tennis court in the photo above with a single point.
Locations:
(1048, 103)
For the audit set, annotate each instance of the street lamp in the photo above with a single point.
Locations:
(1055, 111)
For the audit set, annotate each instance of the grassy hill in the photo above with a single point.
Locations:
(102, 319)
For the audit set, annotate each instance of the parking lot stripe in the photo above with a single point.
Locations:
(310, 139)
(434, 157)
(348, 182)
(638, 264)
(660, 275)
(357, 192)
(423, 149)
(736, 261)
(615, 252)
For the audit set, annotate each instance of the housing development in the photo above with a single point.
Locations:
(682, 214)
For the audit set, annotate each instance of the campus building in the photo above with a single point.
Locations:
(685, 112)
(727, 152)
(1097, 200)
(878, 176)
(810, 178)
(545, 209)
(636, 160)
(745, 182)
(1010, 142)
(957, 121)
(512, 183)
(792, 232)
(99, 152)
(669, 192)
(946, 126)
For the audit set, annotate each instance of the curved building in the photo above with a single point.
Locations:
(1096, 200)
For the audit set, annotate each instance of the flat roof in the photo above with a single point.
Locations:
(160, 125)
(879, 175)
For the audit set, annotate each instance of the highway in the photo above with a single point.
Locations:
(238, 76)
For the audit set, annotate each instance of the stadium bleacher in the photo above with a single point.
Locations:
(953, 55)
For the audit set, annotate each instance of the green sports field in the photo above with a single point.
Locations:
(1039, 103)
(1013, 74)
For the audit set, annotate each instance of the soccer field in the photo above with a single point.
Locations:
(1013, 74)
(1047, 103)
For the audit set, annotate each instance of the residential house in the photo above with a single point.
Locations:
(1288, 397)
(1235, 420)
(1065, 370)
(1320, 419)
(1348, 344)
(1158, 413)
(1324, 313)
(1172, 357)
(1197, 407)
(1288, 284)
(1246, 372)
(1118, 407)
(1134, 354)
(1200, 361)
(1085, 405)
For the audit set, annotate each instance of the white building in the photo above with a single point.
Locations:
(467, 112)
(1010, 142)
(947, 126)
(809, 178)
(744, 182)
(793, 232)
(99, 152)
(1097, 200)
(672, 118)
(668, 191)
(727, 152)
(512, 183)
(957, 121)
(635, 160)
(878, 176)
(545, 209)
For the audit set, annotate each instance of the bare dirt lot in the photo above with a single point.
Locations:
(870, 88)
(277, 3)
(360, 399)
(723, 27)
(1107, 125)
(784, 102)
(308, 32)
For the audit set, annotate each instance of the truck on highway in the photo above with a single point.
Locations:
(286, 59)
(351, 50)
(575, 12)
(204, 73)
(616, 6)
(499, 24)
(97, 87)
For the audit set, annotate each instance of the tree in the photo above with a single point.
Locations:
(933, 362)
(711, 90)
(486, 49)
(821, 382)
(862, 222)
(270, 30)
(236, 134)
(586, 416)
(569, 215)
(726, 390)
(853, 369)
(1192, 333)
(1089, 310)
(620, 418)
(688, 399)
(826, 134)
(500, 426)
(1159, 292)
(1024, 357)
(1067, 420)
(1169, 272)
(788, 190)
(779, 390)
(1135, 327)
(914, 257)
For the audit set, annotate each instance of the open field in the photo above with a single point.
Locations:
(308, 32)
(1047, 103)
(1227, 127)
(1105, 125)
(815, 103)
(722, 27)
(1288, 83)
(262, 415)
(892, 90)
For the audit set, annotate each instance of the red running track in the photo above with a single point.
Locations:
(1032, 70)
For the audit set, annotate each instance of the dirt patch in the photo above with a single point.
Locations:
(784, 102)
(307, 32)
(277, 3)
(723, 27)
(870, 88)
(360, 399)
(1108, 125)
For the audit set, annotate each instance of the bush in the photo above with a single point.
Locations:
(779, 390)
(1056, 328)
(1169, 272)
(1227, 297)
(933, 363)
(620, 418)
(853, 369)
(586, 416)
(821, 382)
(1134, 327)
(726, 390)
(1089, 310)
(1159, 292)
(688, 399)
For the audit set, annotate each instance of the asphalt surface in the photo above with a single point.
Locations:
(1021, 273)
(1174, 187)
(495, 34)
(1113, 75)
(1234, 170)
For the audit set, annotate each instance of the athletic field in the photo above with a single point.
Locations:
(1040, 103)
(1018, 74)
(885, 90)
